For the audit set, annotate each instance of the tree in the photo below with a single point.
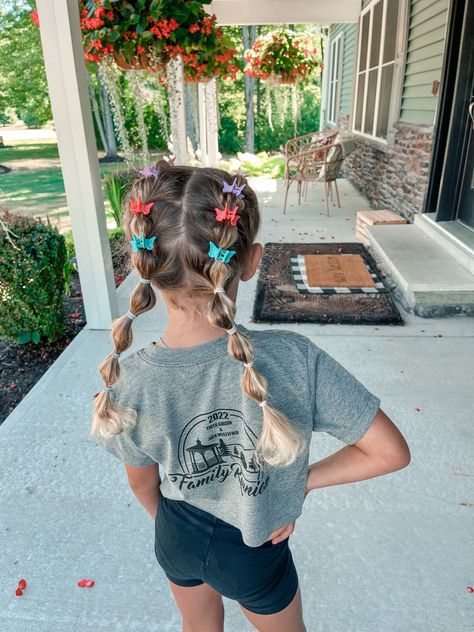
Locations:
(23, 85)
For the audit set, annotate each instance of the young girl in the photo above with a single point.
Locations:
(226, 411)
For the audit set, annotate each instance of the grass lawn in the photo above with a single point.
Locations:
(35, 184)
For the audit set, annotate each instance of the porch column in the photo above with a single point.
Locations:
(174, 71)
(324, 82)
(67, 82)
(202, 124)
(208, 123)
(210, 91)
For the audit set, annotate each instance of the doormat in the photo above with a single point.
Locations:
(334, 274)
(278, 299)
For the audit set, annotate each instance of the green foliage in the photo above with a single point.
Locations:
(32, 260)
(261, 164)
(230, 142)
(23, 84)
(116, 187)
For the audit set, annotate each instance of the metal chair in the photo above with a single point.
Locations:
(316, 164)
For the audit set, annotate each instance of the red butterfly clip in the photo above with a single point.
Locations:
(137, 206)
(221, 215)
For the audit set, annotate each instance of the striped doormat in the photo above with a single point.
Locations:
(286, 294)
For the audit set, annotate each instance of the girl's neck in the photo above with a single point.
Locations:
(187, 332)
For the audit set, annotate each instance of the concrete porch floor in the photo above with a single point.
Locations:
(391, 554)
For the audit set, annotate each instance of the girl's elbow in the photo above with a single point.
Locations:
(399, 458)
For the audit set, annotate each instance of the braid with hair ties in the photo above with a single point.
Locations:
(178, 218)
(279, 443)
(108, 419)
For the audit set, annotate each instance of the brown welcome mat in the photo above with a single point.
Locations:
(337, 271)
(279, 300)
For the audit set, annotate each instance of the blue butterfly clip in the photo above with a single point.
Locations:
(218, 253)
(234, 189)
(142, 242)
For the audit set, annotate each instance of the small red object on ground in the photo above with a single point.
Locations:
(22, 584)
(418, 410)
(85, 583)
(470, 589)
(90, 583)
(18, 592)
(81, 583)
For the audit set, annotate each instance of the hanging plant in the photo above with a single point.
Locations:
(147, 34)
(283, 57)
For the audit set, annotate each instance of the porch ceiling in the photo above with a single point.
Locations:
(285, 11)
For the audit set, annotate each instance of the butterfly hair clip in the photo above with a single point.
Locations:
(234, 189)
(142, 242)
(231, 215)
(137, 206)
(149, 171)
(219, 253)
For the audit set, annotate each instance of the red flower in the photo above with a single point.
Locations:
(140, 49)
(34, 16)
(193, 28)
(99, 12)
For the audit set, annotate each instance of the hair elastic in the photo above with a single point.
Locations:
(108, 388)
(218, 289)
(262, 404)
(232, 331)
(131, 315)
(248, 364)
(146, 281)
(115, 354)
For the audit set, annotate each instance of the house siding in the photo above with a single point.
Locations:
(424, 60)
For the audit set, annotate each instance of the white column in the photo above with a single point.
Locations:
(202, 124)
(174, 71)
(325, 82)
(210, 91)
(67, 81)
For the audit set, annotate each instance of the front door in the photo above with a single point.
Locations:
(465, 212)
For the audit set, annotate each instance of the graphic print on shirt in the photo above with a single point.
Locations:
(215, 446)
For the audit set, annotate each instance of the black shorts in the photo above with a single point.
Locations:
(194, 547)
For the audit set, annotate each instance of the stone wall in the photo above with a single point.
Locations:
(394, 176)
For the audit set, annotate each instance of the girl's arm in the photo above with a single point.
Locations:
(382, 449)
(145, 483)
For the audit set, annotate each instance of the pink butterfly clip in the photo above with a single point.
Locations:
(231, 215)
(137, 206)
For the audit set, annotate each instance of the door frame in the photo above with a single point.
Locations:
(451, 130)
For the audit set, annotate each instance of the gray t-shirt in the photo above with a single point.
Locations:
(195, 421)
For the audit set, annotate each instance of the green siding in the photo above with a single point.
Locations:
(424, 61)
(348, 63)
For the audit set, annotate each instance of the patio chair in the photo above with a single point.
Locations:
(305, 142)
(316, 164)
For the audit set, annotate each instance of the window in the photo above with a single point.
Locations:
(376, 68)
(335, 73)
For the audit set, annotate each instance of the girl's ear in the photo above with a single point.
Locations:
(254, 255)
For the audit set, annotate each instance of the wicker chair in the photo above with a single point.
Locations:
(315, 164)
(303, 143)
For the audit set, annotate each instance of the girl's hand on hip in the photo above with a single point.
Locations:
(282, 533)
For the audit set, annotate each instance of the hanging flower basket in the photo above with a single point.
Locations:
(283, 57)
(140, 61)
(146, 35)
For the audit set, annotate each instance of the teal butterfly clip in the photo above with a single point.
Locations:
(218, 253)
(142, 242)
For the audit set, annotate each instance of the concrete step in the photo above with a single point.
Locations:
(426, 278)
(455, 239)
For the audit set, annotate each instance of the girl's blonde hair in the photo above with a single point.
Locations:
(183, 220)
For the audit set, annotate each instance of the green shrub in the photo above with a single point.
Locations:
(32, 283)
